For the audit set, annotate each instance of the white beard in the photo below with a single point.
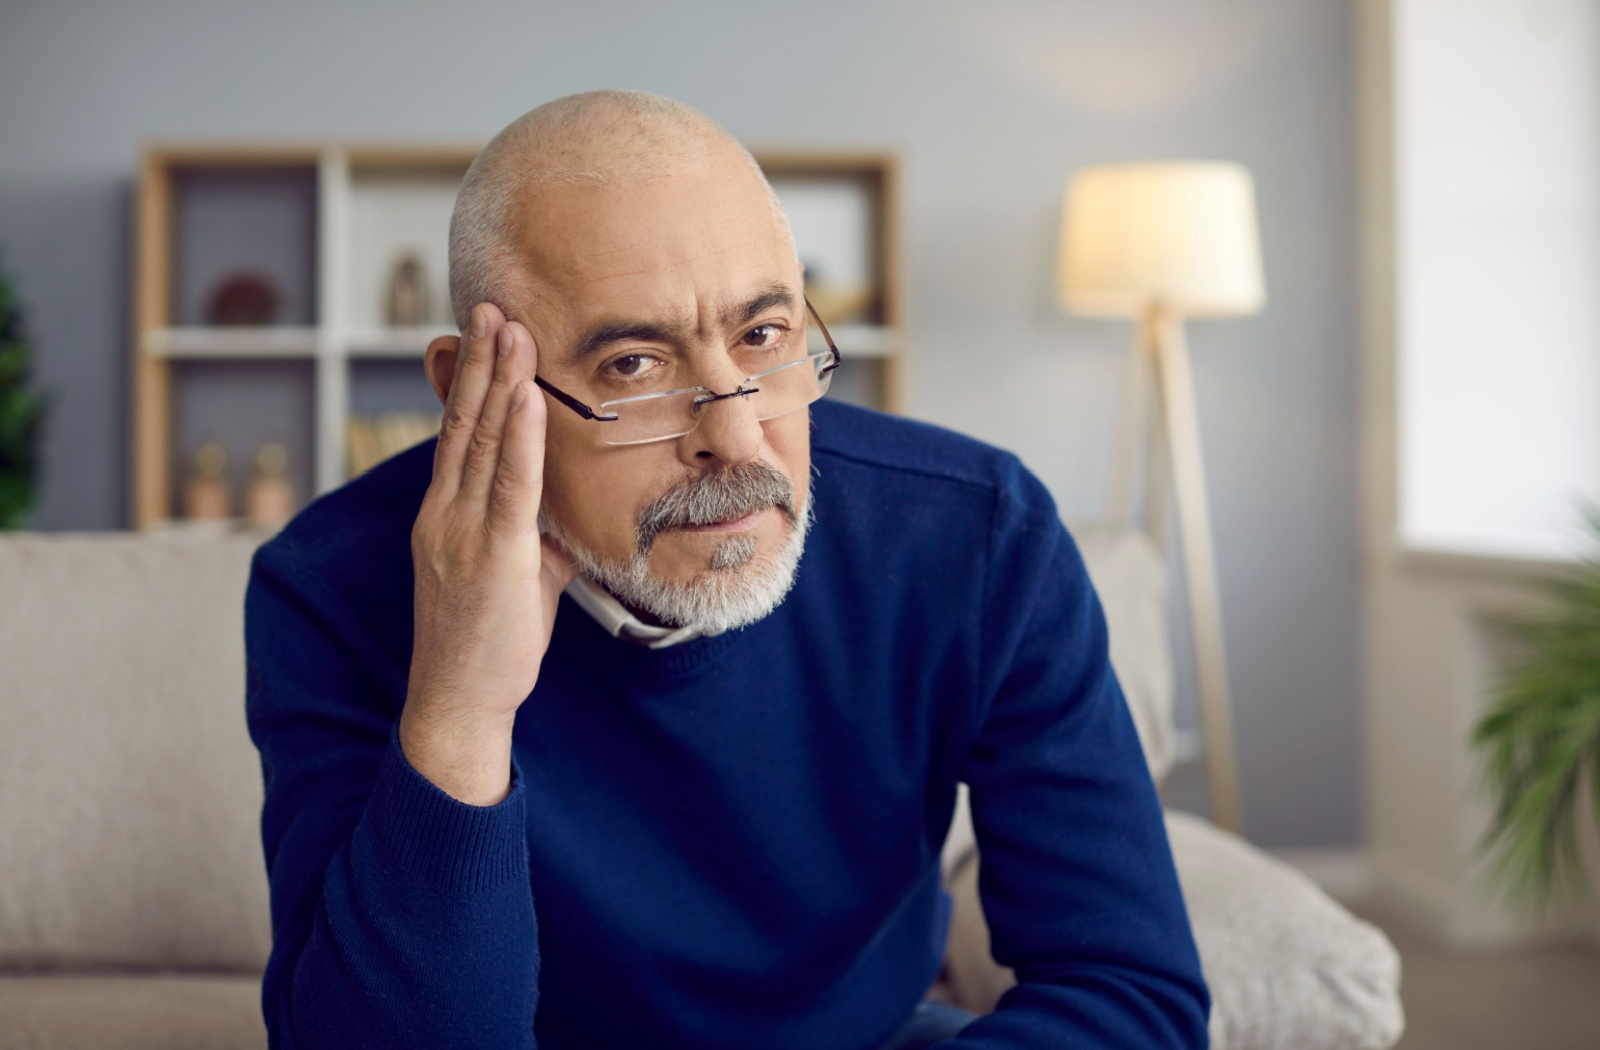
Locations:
(735, 590)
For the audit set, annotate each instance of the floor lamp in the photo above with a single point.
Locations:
(1159, 243)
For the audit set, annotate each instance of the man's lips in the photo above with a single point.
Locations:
(738, 524)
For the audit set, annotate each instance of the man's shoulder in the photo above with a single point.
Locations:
(896, 446)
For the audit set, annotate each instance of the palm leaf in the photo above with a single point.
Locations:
(1539, 740)
(22, 414)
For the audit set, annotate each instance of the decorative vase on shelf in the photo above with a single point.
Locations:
(249, 299)
(206, 497)
(270, 502)
(408, 292)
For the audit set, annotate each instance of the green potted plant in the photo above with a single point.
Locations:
(22, 413)
(1540, 739)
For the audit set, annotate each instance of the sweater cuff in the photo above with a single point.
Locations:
(423, 830)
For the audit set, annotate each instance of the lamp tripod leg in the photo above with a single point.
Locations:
(1175, 383)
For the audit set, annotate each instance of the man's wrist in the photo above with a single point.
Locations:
(466, 753)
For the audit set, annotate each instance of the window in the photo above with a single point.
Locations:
(1497, 213)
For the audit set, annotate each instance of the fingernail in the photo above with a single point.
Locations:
(505, 341)
(477, 322)
(519, 397)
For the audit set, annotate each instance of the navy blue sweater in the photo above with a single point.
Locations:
(732, 842)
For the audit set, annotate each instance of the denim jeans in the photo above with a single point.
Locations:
(929, 1023)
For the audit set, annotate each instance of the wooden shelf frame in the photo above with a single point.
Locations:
(880, 171)
(334, 340)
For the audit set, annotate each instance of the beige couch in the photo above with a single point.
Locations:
(133, 899)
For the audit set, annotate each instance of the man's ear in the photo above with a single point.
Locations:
(439, 361)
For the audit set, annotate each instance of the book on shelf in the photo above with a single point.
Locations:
(371, 439)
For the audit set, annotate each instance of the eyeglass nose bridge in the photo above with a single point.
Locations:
(743, 391)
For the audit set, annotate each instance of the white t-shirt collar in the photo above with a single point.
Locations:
(620, 623)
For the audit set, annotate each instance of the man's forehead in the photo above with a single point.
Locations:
(660, 251)
(713, 198)
(672, 254)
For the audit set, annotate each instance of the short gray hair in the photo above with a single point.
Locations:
(596, 137)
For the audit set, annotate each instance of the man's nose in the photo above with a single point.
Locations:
(728, 431)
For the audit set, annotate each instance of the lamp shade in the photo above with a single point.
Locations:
(1181, 234)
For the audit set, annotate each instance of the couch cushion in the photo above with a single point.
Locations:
(130, 794)
(1286, 965)
(1129, 574)
(135, 1012)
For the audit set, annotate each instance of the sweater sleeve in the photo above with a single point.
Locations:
(1076, 876)
(400, 916)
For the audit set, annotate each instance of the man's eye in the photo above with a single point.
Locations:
(763, 335)
(630, 365)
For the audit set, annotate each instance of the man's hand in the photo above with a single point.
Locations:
(487, 584)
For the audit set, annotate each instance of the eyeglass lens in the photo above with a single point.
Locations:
(774, 393)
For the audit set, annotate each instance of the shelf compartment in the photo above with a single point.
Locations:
(395, 211)
(241, 403)
(836, 217)
(234, 220)
(392, 407)
(381, 385)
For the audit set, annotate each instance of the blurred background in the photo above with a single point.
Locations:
(1396, 434)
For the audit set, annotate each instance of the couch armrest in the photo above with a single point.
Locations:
(1288, 967)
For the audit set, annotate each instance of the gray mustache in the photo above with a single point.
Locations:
(717, 495)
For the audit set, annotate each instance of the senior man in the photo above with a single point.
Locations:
(565, 743)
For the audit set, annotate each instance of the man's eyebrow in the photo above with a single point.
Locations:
(764, 300)
(608, 332)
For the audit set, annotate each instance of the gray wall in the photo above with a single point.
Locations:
(991, 104)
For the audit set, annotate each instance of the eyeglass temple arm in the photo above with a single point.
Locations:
(835, 350)
(571, 402)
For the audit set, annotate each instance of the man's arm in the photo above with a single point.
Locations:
(400, 915)
(395, 837)
(1076, 876)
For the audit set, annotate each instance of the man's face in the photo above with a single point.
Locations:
(690, 276)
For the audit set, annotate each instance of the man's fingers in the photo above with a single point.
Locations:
(513, 508)
(513, 349)
(464, 405)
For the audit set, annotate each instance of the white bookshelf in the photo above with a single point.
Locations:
(361, 207)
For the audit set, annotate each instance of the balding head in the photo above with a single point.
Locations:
(594, 138)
